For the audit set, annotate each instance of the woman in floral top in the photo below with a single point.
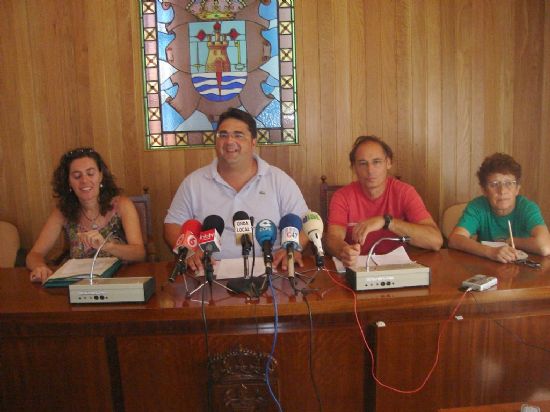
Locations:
(89, 209)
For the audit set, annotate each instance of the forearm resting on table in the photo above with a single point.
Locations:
(424, 234)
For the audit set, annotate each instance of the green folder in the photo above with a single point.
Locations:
(74, 270)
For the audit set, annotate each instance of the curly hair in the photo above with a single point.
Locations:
(68, 202)
(498, 163)
(371, 138)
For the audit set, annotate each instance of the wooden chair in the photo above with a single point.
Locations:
(9, 238)
(143, 207)
(450, 218)
(325, 193)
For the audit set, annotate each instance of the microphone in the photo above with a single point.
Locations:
(97, 253)
(402, 239)
(248, 284)
(185, 246)
(210, 242)
(243, 230)
(313, 228)
(266, 234)
(290, 225)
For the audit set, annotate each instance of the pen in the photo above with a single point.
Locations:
(511, 236)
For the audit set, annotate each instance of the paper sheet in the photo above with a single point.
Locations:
(395, 257)
(234, 268)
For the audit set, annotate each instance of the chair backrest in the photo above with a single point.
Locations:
(143, 207)
(450, 218)
(9, 238)
(325, 193)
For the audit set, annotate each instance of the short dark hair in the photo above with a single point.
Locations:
(498, 163)
(67, 201)
(370, 138)
(234, 113)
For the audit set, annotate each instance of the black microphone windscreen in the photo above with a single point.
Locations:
(213, 222)
(240, 215)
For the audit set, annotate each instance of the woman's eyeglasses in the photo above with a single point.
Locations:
(82, 150)
(507, 184)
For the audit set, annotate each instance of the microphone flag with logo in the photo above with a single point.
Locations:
(210, 242)
(290, 226)
(185, 246)
(266, 235)
(243, 231)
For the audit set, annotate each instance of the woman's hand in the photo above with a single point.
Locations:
(40, 273)
(91, 239)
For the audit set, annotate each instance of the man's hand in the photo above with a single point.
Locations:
(279, 257)
(362, 229)
(194, 262)
(349, 253)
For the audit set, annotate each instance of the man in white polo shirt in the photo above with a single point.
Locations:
(237, 180)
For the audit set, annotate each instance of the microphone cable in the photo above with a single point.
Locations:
(310, 360)
(440, 335)
(510, 332)
(275, 333)
(208, 360)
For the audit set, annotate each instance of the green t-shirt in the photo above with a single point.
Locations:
(478, 219)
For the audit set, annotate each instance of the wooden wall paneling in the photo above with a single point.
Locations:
(373, 46)
(448, 104)
(478, 98)
(359, 57)
(506, 41)
(329, 135)
(432, 196)
(528, 64)
(10, 119)
(343, 55)
(463, 69)
(130, 148)
(403, 150)
(444, 82)
(34, 69)
(157, 167)
(542, 195)
(310, 130)
(388, 82)
(418, 73)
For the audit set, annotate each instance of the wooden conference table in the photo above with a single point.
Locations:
(153, 356)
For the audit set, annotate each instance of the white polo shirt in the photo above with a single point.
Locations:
(270, 194)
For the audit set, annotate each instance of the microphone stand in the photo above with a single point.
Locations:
(248, 284)
(208, 275)
(402, 239)
(96, 254)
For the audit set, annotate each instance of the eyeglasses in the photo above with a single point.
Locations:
(82, 150)
(235, 135)
(373, 163)
(529, 263)
(496, 184)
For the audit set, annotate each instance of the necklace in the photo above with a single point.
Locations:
(92, 221)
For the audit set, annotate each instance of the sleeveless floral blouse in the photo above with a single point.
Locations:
(113, 225)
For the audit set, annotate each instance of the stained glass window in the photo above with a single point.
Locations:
(201, 57)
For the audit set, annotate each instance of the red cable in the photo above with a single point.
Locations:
(436, 360)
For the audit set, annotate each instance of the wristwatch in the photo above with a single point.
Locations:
(387, 221)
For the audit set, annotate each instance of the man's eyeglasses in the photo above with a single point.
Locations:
(496, 184)
(374, 162)
(235, 135)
